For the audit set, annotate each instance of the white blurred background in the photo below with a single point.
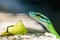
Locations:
(7, 19)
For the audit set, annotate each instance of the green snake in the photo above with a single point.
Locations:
(44, 21)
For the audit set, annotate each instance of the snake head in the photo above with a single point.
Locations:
(40, 18)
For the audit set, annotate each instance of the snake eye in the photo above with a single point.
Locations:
(38, 15)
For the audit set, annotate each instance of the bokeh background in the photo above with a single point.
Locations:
(50, 8)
